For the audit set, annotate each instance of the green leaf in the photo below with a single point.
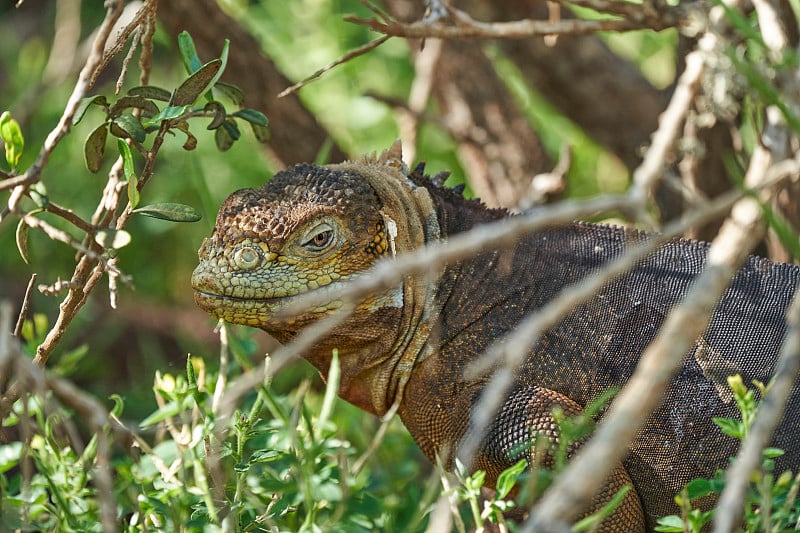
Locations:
(127, 158)
(730, 427)
(188, 53)
(38, 193)
(151, 92)
(95, 147)
(138, 102)
(232, 92)
(167, 411)
(126, 125)
(97, 99)
(170, 211)
(197, 83)
(11, 134)
(670, 524)
(261, 132)
(252, 116)
(168, 113)
(10, 455)
(22, 240)
(133, 191)
(112, 238)
(219, 114)
(697, 488)
(508, 478)
(223, 138)
(223, 57)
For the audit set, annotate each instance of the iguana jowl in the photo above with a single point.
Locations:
(313, 226)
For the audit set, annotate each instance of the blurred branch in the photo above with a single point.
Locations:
(462, 26)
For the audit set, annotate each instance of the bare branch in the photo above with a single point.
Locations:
(465, 27)
(26, 302)
(344, 59)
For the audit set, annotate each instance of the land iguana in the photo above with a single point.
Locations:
(314, 226)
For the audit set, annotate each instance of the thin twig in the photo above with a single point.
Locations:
(26, 304)
(345, 58)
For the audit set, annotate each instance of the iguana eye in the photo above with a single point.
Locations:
(246, 258)
(319, 237)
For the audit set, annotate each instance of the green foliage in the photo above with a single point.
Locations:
(771, 503)
(11, 134)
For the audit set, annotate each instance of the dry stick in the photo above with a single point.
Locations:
(424, 67)
(650, 171)
(26, 304)
(345, 58)
(511, 349)
(644, 391)
(727, 516)
(468, 28)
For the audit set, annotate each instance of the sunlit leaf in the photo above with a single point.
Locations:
(127, 158)
(11, 134)
(133, 191)
(170, 211)
(112, 238)
(95, 147)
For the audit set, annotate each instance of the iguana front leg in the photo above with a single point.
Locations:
(527, 415)
(438, 425)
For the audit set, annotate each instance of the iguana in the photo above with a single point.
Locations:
(314, 226)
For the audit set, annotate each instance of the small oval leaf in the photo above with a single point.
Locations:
(133, 191)
(197, 83)
(95, 147)
(219, 114)
(252, 116)
(112, 238)
(188, 52)
(22, 240)
(97, 99)
(234, 93)
(170, 211)
(127, 158)
(151, 92)
(168, 113)
(261, 132)
(131, 127)
(126, 102)
(223, 139)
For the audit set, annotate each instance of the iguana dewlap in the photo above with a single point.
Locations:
(313, 226)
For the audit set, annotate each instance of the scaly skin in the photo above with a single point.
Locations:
(311, 227)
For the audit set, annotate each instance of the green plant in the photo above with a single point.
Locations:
(771, 504)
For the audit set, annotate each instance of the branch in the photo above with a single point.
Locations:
(463, 26)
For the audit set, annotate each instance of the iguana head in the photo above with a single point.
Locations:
(306, 228)
(310, 227)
